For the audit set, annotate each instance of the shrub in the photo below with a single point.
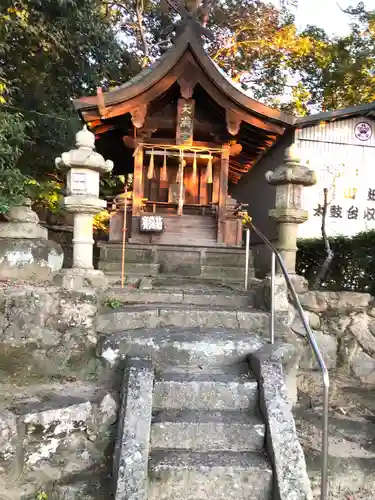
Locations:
(353, 265)
(12, 181)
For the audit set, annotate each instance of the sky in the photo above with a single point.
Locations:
(327, 14)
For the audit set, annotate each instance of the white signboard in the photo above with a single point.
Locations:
(151, 224)
(79, 183)
(350, 182)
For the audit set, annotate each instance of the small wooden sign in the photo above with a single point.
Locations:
(151, 224)
(185, 122)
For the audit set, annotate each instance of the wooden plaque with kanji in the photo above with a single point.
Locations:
(185, 122)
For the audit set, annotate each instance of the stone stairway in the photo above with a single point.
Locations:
(198, 417)
(184, 304)
(206, 437)
(207, 440)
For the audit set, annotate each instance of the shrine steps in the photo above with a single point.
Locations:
(191, 426)
(133, 316)
(194, 405)
(200, 262)
(218, 296)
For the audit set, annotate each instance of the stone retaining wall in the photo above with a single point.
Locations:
(344, 326)
(47, 332)
(56, 408)
(43, 443)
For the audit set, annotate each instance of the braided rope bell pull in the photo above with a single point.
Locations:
(164, 173)
(194, 176)
(151, 167)
(209, 170)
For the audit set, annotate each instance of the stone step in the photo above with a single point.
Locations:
(193, 241)
(134, 268)
(134, 316)
(202, 284)
(229, 275)
(232, 272)
(192, 346)
(197, 239)
(206, 391)
(210, 298)
(226, 257)
(114, 278)
(186, 475)
(212, 255)
(207, 430)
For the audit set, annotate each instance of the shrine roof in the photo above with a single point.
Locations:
(337, 114)
(188, 40)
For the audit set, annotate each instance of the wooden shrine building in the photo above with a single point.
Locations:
(188, 135)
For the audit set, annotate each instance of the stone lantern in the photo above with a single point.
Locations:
(82, 200)
(25, 251)
(290, 178)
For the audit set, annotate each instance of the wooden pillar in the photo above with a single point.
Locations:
(216, 183)
(223, 193)
(138, 182)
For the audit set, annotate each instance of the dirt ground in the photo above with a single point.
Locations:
(351, 435)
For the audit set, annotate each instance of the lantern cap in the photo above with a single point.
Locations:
(85, 139)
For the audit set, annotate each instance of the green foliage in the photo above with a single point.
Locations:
(41, 495)
(111, 185)
(114, 303)
(47, 194)
(254, 44)
(259, 47)
(12, 139)
(51, 51)
(339, 71)
(353, 265)
(101, 222)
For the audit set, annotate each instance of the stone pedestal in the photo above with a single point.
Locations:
(83, 240)
(85, 166)
(289, 179)
(78, 279)
(25, 252)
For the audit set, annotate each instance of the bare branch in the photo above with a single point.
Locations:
(119, 5)
(146, 52)
(329, 253)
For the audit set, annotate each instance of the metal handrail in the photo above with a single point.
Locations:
(313, 344)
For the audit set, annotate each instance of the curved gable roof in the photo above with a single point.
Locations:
(150, 76)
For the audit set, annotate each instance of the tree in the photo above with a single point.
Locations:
(254, 43)
(253, 40)
(51, 51)
(339, 72)
(12, 139)
(12, 181)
